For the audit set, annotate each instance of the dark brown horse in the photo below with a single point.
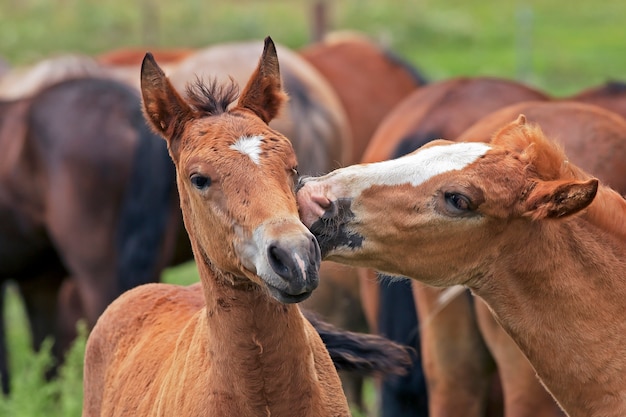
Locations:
(68, 208)
(457, 365)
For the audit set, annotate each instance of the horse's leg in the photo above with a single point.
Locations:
(70, 311)
(370, 296)
(457, 365)
(401, 395)
(524, 396)
(4, 353)
(40, 301)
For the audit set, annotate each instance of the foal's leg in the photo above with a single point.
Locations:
(524, 396)
(457, 365)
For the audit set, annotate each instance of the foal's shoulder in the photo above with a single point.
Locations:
(150, 306)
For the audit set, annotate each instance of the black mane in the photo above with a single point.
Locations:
(212, 97)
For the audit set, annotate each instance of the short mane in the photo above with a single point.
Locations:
(548, 161)
(544, 157)
(212, 98)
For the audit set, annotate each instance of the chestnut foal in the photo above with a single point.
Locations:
(234, 344)
(538, 239)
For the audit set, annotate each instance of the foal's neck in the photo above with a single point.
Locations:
(559, 291)
(608, 212)
(263, 348)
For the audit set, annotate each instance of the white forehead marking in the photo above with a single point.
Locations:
(416, 168)
(249, 145)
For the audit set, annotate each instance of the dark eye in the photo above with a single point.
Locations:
(458, 202)
(200, 181)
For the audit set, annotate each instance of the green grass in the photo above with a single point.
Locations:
(32, 395)
(551, 44)
(548, 43)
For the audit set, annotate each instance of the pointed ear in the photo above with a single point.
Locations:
(263, 94)
(163, 107)
(554, 199)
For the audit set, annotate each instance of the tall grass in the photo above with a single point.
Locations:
(31, 394)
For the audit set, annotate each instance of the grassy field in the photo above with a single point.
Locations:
(550, 44)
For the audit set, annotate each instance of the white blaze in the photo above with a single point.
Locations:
(249, 145)
(413, 169)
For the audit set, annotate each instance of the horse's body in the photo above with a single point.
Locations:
(23, 81)
(68, 152)
(611, 96)
(124, 63)
(531, 234)
(233, 345)
(368, 79)
(457, 367)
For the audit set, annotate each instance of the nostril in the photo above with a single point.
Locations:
(331, 210)
(322, 201)
(280, 261)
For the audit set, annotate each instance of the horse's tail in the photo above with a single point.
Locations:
(361, 353)
(145, 209)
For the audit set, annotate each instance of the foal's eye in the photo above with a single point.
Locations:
(458, 202)
(200, 181)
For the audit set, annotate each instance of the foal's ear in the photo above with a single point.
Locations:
(554, 199)
(163, 107)
(263, 94)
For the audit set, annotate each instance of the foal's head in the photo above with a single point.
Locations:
(440, 213)
(235, 178)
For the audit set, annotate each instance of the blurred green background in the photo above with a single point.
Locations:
(553, 44)
(556, 45)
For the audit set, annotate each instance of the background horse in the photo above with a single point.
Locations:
(124, 63)
(68, 205)
(457, 365)
(533, 235)
(611, 96)
(24, 81)
(369, 80)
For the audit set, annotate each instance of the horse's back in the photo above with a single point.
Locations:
(443, 110)
(132, 345)
(25, 81)
(610, 95)
(593, 137)
(368, 79)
